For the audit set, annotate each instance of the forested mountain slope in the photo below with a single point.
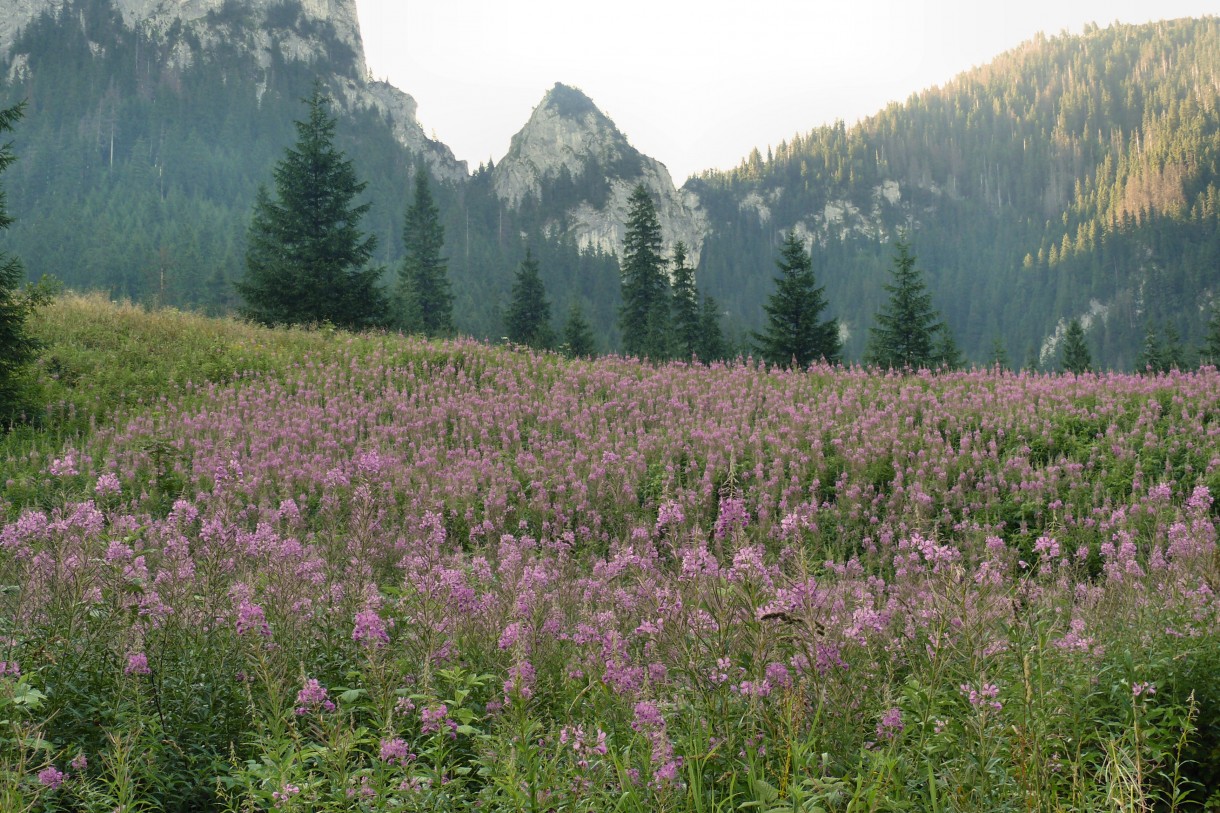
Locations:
(1074, 176)
(142, 147)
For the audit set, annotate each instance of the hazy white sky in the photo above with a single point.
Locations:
(696, 85)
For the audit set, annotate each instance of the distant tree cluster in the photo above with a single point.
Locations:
(662, 317)
(309, 262)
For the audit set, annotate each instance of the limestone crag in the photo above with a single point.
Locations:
(571, 150)
(16, 14)
(322, 31)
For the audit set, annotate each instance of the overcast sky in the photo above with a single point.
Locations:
(696, 85)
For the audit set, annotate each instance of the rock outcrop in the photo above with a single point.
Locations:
(576, 165)
(326, 31)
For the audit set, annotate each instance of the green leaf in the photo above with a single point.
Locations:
(351, 695)
(26, 695)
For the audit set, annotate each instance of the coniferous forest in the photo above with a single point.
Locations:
(1073, 178)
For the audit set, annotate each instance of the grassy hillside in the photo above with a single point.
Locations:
(314, 571)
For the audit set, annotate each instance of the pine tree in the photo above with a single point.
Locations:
(902, 337)
(577, 335)
(306, 259)
(1161, 351)
(1211, 346)
(712, 346)
(685, 299)
(1076, 357)
(946, 352)
(423, 297)
(999, 354)
(17, 348)
(528, 320)
(644, 316)
(794, 333)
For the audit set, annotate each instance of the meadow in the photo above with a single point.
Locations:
(250, 570)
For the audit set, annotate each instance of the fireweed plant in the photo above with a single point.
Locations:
(384, 574)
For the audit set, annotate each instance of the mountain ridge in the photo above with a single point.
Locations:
(1073, 176)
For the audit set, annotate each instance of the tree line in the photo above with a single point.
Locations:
(309, 262)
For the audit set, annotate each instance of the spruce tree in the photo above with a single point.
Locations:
(17, 348)
(644, 316)
(577, 335)
(999, 354)
(712, 346)
(685, 300)
(423, 299)
(1210, 353)
(946, 352)
(1161, 351)
(528, 320)
(306, 258)
(906, 325)
(1076, 357)
(795, 333)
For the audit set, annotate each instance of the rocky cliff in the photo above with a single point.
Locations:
(574, 164)
(312, 31)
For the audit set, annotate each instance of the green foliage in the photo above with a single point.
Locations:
(685, 308)
(307, 258)
(1076, 357)
(1162, 350)
(946, 351)
(644, 317)
(712, 346)
(998, 358)
(17, 348)
(1211, 347)
(903, 336)
(794, 332)
(528, 320)
(577, 337)
(423, 297)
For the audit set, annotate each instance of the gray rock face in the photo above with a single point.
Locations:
(353, 88)
(16, 14)
(568, 136)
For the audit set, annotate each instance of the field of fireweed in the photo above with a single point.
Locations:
(406, 576)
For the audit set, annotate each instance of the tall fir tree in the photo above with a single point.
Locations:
(577, 335)
(685, 300)
(712, 346)
(946, 352)
(1210, 353)
(528, 320)
(907, 324)
(999, 354)
(644, 316)
(423, 297)
(1161, 351)
(795, 332)
(1076, 357)
(17, 348)
(306, 258)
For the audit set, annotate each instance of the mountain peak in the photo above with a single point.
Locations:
(575, 163)
(569, 102)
